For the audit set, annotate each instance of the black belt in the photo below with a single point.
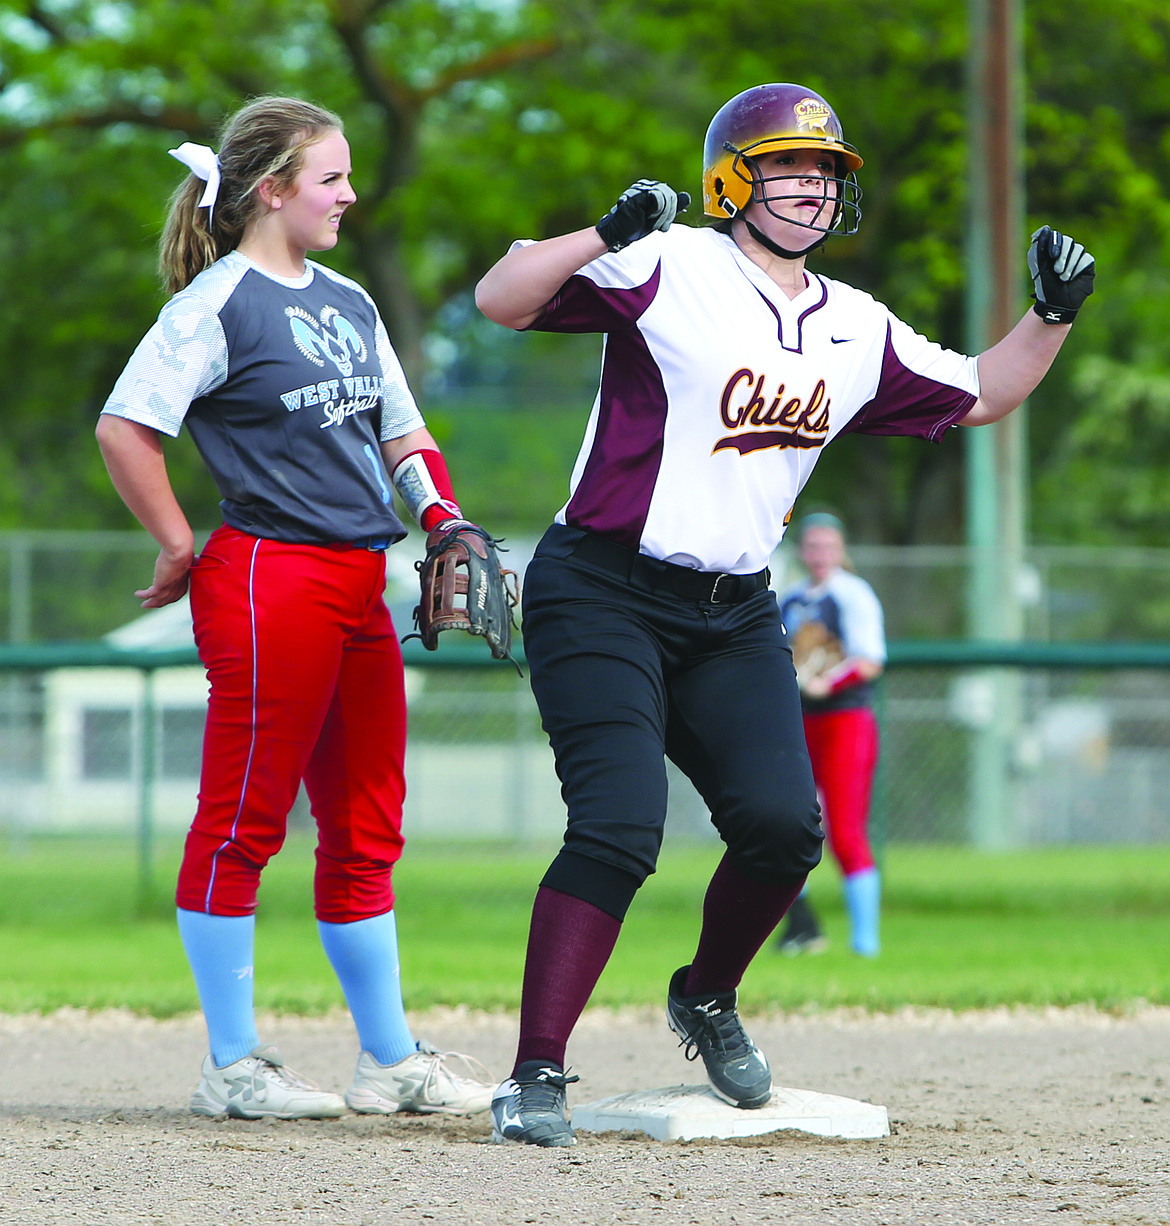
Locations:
(652, 575)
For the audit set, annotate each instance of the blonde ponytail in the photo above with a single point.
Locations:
(265, 138)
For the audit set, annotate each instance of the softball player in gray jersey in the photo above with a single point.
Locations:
(648, 623)
(836, 628)
(284, 374)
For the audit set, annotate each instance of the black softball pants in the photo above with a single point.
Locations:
(627, 673)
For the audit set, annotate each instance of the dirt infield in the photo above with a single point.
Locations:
(1032, 1117)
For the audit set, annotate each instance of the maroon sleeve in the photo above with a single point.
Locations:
(581, 305)
(907, 403)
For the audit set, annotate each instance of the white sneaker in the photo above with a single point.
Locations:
(260, 1085)
(426, 1081)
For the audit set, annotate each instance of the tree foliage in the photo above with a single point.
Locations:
(476, 122)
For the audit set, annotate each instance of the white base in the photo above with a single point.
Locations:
(678, 1113)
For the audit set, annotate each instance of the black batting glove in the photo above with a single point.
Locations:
(646, 206)
(1062, 272)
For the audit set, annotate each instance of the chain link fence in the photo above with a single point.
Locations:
(1077, 748)
(1084, 756)
(1086, 760)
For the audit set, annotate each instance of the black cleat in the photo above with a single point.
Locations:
(709, 1026)
(530, 1106)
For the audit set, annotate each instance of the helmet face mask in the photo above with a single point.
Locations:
(769, 119)
(841, 193)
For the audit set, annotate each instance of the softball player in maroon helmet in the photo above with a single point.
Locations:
(728, 366)
(283, 373)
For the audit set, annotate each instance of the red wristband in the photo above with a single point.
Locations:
(850, 677)
(434, 512)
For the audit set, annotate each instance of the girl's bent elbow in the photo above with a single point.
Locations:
(491, 307)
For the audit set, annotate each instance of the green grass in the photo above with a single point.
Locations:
(961, 929)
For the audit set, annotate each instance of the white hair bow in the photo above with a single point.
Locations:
(204, 164)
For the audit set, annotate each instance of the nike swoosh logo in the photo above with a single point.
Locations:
(842, 340)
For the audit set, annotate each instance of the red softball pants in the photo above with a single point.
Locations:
(306, 683)
(843, 746)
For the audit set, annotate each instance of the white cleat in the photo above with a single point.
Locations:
(262, 1086)
(428, 1081)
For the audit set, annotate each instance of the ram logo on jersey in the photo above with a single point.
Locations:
(334, 338)
(744, 408)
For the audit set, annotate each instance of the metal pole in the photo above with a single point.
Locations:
(19, 589)
(995, 455)
(17, 689)
(147, 732)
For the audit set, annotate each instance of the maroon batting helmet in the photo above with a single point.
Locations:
(765, 119)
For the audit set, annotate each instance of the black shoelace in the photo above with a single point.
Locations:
(720, 1029)
(546, 1092)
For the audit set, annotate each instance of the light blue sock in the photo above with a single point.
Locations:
(364, 956)
(219, 949)
(863, 897)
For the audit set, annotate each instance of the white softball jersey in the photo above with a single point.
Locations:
(287, 387)
(718, 393)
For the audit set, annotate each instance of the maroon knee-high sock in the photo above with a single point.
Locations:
(739, 915)
(569, 944)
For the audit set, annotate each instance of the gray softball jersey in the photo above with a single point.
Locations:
(287, 388)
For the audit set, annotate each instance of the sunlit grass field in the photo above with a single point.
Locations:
(961, 929)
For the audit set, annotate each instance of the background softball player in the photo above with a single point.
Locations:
(285, 377)
(648, 622)
(837, 632)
